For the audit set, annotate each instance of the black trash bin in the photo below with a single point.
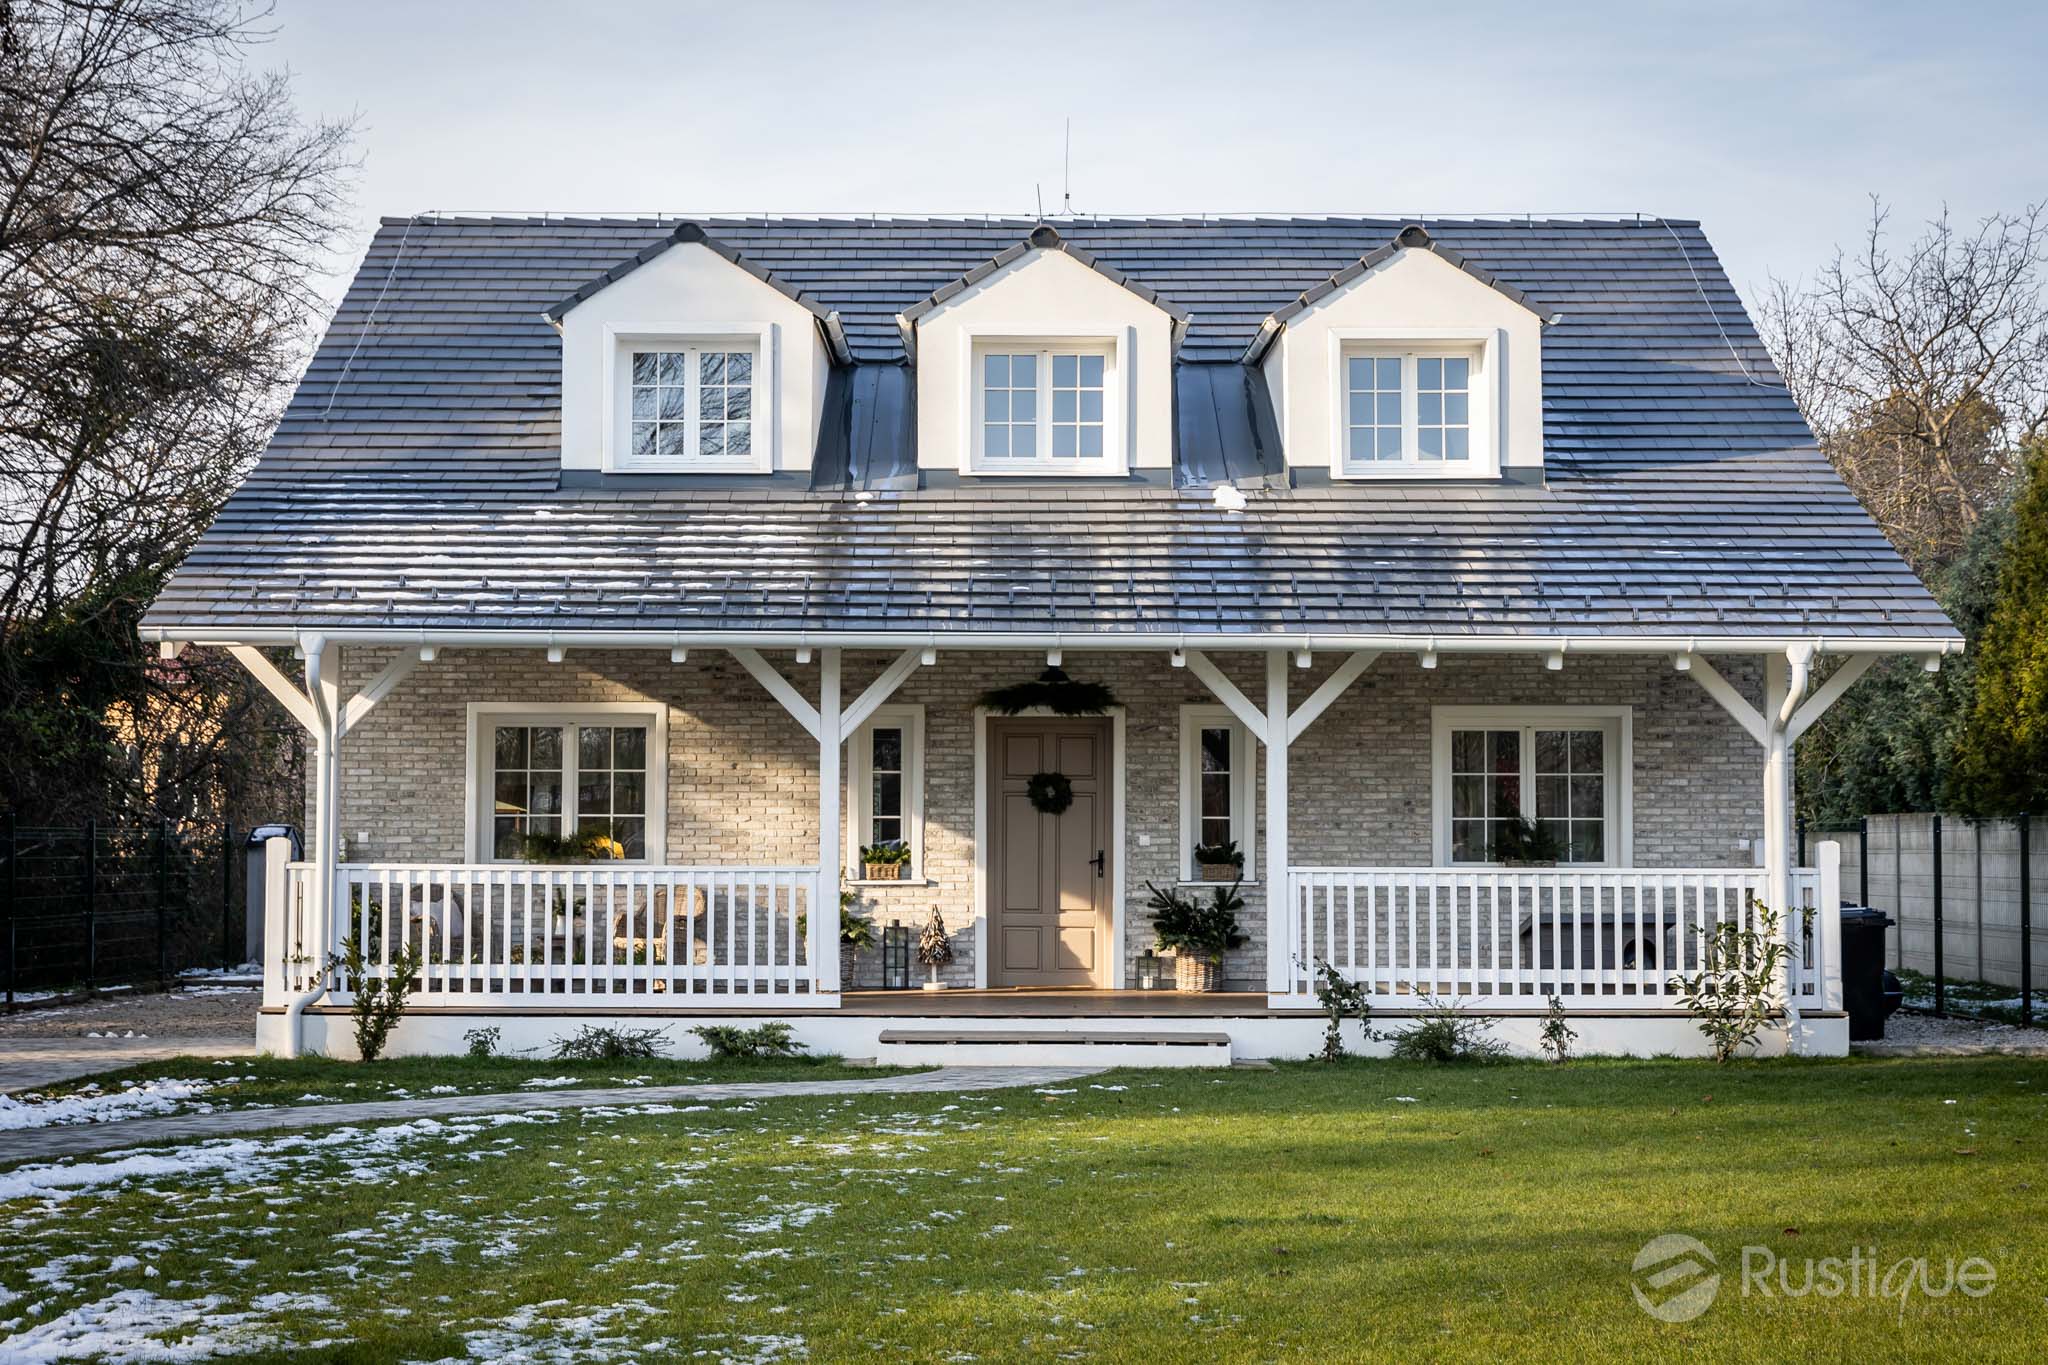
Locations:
(1863, 985)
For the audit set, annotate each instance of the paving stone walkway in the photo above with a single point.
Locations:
(81, 1139)
(31, 1063)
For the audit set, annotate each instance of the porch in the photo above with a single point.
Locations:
(1350, 790)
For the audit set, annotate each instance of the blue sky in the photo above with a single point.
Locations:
(1772, 123)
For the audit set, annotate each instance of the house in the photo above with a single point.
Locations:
(712, 537)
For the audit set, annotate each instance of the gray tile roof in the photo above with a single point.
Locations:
(414, 484)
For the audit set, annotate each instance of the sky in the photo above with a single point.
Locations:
(1771, 123)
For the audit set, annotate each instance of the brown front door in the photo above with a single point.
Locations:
(1049, 908)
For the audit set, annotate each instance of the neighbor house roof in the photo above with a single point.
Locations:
(414, 482)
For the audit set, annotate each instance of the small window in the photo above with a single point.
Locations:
(568, 779)
(1560, 770)
(1043, 409)
(693, 406)
(885, 785)
(1408, 411)
(1217, 784)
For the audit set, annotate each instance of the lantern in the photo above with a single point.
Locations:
(896, 956)
(1148, 970)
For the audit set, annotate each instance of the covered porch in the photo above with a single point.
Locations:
(656, 937)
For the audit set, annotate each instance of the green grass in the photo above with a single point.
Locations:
(1306, 1213)
(246, 1082)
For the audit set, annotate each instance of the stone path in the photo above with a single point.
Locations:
(30, 1063)
(80, 1139)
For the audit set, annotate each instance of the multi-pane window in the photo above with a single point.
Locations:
(692, 405)
(1045, 406)
(526, 786)
(886, 820)
(1407, 409)
(1009, 411)
(1375, 407)
(1217, 820)
(1558, 775)
(568, 779)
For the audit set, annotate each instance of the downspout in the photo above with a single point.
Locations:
(1779, 761)
(324, 823)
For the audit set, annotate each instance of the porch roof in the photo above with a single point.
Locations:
(414, 483)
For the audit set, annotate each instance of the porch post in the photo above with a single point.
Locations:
(825, 905)
(1279, 908)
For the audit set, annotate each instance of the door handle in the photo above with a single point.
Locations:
(1097, 860)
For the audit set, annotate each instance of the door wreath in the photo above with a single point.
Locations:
(1050, 793)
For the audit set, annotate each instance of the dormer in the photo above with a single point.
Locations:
(1409, 364)
(1044, 361)
(689, 359)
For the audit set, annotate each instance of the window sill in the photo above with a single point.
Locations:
(1200, 881)
(901, 881)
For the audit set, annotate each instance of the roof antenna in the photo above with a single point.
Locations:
(1039, 190)
(1067, 172)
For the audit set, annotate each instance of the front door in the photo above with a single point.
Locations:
(1050, 875)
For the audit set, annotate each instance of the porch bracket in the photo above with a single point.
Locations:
(1827, 694)
(288, 694)
(779, 687)
(1249, 716)
(378, 688)
(1334, 686)
(880, 690)
(1733, 702)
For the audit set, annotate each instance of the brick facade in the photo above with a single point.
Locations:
(742, 784)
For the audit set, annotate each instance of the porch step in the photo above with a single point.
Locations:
(1051, 1047)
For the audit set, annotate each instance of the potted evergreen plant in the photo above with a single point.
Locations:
(1198, 933)
(1521, 842)
(884, 862)
(856, 936)
(1222, 862)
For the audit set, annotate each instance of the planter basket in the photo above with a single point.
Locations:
(1196, 972)
(884, 872)
(1219, 872)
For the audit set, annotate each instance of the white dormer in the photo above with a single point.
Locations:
(1410, 364)
(1044, 362)
(687, 359)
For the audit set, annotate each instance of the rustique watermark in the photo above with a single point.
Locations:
(1676, 1278)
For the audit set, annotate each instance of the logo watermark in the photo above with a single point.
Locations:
(1676, 1278)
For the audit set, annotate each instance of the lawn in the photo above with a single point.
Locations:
(1305, 1213)
(199, 1085)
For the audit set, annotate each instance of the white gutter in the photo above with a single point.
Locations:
(1161, 642)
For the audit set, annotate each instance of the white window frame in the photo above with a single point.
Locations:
(622, 342)
(1482, 346)
(480, 761)
(1617, 721)
(1111, 343)
(1195, 718)
(909, 718)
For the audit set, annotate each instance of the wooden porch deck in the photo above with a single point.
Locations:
(1056, 1004)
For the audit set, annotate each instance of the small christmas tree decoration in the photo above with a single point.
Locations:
(935, 949)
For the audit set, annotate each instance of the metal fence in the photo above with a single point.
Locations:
(92, 905)
(1961, 893)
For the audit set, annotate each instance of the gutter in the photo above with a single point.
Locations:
(1934, 646)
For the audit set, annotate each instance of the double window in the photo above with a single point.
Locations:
(1217, 785)
(1043, 408)
(564, 772)
(1503, 771)
(695, 405)
(1413, 410)
(885, 785)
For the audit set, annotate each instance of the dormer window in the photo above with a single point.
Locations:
(1414, 411)
(691, 404)
(1044, 407)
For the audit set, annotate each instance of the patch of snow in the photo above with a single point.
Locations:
(548, 1082)
(128, 1327)
(150, 1097)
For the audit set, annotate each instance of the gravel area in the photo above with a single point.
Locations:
(205, 1011)
(1921, 1035)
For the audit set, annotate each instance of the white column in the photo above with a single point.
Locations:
(323, 685)
(1279, 907)
(1777, 788)
(825, 909)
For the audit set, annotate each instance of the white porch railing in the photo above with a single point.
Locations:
(593, 936)
(1596, 938)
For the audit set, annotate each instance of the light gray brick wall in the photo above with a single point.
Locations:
(742, 783)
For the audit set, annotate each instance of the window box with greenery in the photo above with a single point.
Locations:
(1198, 933)
(885, 862)
(1222, 862)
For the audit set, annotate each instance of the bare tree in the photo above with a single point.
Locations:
(162, 209)
(1922, 372)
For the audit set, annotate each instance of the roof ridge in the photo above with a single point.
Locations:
(455, 218)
